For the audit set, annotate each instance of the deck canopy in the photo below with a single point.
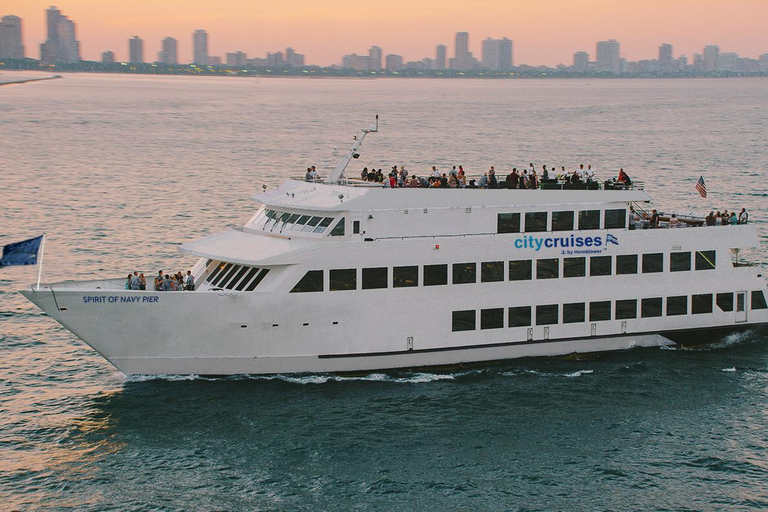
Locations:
(240, 246)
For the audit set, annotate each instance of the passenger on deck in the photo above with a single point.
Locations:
(624, 177)
(743, 216)
(142, 281)
(674, 222)
(512, 178)
(733, 220)
(159, 280)
(709, 220)
(544, 174)
(364, 174)
(190, 281)
(128, 282)
(725, 218)
(435, 172)
(492, 182)
(167, 283)
(654, 223)
(462, 178)
(483, 183)
(135, 281)
(308, 175)
(522, 182)
(452, 181)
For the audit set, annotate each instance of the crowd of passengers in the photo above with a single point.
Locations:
(713, 219)
(163, 283)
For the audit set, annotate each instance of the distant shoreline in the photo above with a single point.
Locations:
(29, 80)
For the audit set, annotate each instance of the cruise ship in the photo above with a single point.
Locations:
(341, 275)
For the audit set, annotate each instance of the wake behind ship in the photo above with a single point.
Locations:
(340, 275)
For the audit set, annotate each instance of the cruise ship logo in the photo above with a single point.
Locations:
(610, 239)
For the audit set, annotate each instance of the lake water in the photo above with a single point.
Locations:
(118, 170)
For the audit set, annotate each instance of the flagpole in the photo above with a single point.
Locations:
(40, 263)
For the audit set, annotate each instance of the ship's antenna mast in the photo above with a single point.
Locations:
(338, 173)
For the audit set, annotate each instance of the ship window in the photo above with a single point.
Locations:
(520, 270)
(615, 219)
(589, 219)
(247, 278)
(215, 273)
(343, 279)
(301, 222)
(338, 229)
(705, 260)
(374, 278)
(223, 283)
(311, 282)
(260, 277)
(725, 301)
(323, 224)
(492, 271)
(626, 264)
(650, 308)
(464, 320)
(404, 277)
(653, 263)
(562, 221)
(573, 313)
(677, 305)
(599, 311)
(626, 309)
(237, 278)
(311, 223)
(356, 227)
(547, 269)
(293, 218)
(492, 318)
(508, 223)
(758, 300)
(701, 303)
(547, 314)
(574, 267)
(435, 275)
(464, 273)
(221, 274)
(520, 316)
(535, 222)
(679, 261)
(600, 266)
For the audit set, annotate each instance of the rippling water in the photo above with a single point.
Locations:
(117, 170)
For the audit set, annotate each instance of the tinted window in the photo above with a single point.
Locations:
(323, 224)
(520, 270)
(547, 269)
(574, 267)
(589, 219)
(260, 277)
(573, 313)
(626, 309)
(464, 273)
(562, 221)
(403, 277)
(535, 221)
(375, 278)
(492, 318)
(311, 223)
(492, 271)
(520, 316)
(247, 279)
(701, 303)
(653, 263)
(300, 223)
(546, 315)
(758, 300)
(338, 229)
(224, 271)
(343, 279)
(216, 272)
(237, 277)
(464, 320)
(679, 261)
(311, 282)
(435, 275)
(725, 301)
(508, 223)
(650, 307)
(705, 260)
(356, 227)
(600, 266)
(626, 264)
(677, 305)
(615, 219)
(599, 311)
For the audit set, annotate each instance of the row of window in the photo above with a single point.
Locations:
(283, 221)
(549, 314)
(493, 271)
(236, 277)
(561, 221)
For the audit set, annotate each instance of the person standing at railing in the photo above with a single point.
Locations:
(743, 216)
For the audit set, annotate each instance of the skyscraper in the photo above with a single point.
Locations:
(463, 60)
(497, 54)
(200, 47)
(136, 50)
(440, 57)
(374, 56)
(61, 46)
(711, 55)
(169, 54)
(11, 46)
(293, 59)
(580, 62)
(395, 62)
(608, 57)
(665, 57)
(237, 59)
(108, 57)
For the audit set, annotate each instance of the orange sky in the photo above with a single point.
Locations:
(544, 31)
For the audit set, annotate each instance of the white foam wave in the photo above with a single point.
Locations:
(731, 369)
(579, 373)
(415, 378)
(170, 378)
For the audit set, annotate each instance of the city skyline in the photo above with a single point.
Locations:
(548, 34)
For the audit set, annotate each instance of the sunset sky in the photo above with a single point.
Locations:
(544, 31)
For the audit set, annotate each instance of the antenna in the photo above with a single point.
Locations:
(338, 173)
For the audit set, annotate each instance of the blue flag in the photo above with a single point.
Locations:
(21, 253)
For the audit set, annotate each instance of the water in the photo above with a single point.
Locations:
(117, 170)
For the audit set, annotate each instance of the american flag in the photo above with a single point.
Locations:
(701, 187)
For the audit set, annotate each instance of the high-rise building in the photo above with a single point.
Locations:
(463, 60)
(293, 59)
(108, 58)
(374, 57)
(728, 61)
(356, 62)
(711, 56)
(170, 52)
(394, 62)
(200, 47)
(11, 46)
(580, 62)
(136, 50)
(237, 59)
(440, 56)
(61, 47)
(497, 54)
(666, 63)
(608, 57)
(462, 45)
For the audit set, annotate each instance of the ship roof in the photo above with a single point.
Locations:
(246, 248)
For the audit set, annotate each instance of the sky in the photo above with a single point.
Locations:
(545, 32)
